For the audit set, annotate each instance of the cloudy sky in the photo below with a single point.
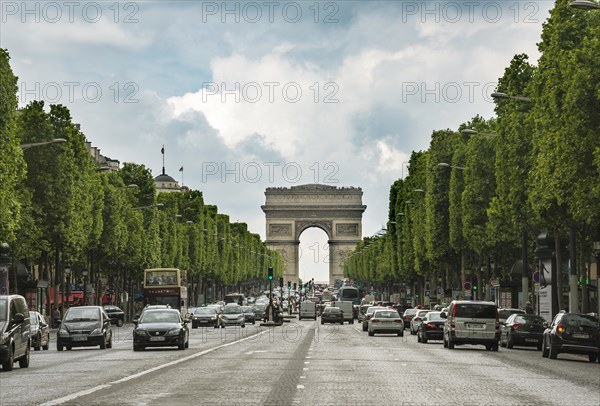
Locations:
(247, 95)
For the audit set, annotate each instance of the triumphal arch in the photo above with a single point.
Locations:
(335, 210)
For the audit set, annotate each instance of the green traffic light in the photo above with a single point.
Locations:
(474, 287)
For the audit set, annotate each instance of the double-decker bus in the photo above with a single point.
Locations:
(166, 286)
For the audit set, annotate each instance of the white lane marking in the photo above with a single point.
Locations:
(307, 357)
(307, 362)
(305, 369)
(300, 386)
(130, 377)
(302, 377)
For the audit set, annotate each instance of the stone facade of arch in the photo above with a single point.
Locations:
(335, 210)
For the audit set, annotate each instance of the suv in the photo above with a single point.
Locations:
(572, 333)
(15, 332)
(471, 322)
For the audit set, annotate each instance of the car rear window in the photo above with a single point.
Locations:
(476, 311)
(578, 320)
(410, 312)
(386, 314)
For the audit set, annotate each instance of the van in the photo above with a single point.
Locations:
(347, 308)
(308, 310)
(471, 322)
(15, 332)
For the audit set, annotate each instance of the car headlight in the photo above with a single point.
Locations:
(140, 332)
(3, 338)
(96, 331)
(63, 333)
(173, 332)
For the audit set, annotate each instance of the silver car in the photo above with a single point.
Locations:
(416, 321)
(386, 322)
(232, 315)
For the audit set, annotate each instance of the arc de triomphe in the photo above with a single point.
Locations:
(335, 210)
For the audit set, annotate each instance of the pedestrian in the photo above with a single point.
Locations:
(56, 316)
(528, 308)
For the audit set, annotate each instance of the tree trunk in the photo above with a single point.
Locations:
(559, 273)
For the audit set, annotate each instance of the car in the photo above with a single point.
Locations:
(504, 313)
(362, 310)
(117, 316)
(523, 330)
(40, 331)
(205, 316)
(387, 322)
(308, 310)
(232, 315)
(368, 314)
(407, 316)
(15, 332)
(160, 328)
(431, 327)
(415, 322)
(332, 314)
(572, 333)
(259, 310)
(471, 322)
(84, 326)
(249, 314)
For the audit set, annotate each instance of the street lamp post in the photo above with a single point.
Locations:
(67, 288)
(38, 144)
(597, 254)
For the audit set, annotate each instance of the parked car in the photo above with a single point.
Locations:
(204, 316)
(471, 322)
(249, 314)
(84, 326)
(407, 316)
(232, 315)
(40, 331)
(431, 327)
(387, 322)
(523, 329)
(332, 314)
(15, 332)
(117, 316)
(505, 313)
(160, 328)
(415, 322)
(572, 333)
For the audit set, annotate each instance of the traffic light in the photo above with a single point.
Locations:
(294, 285)
(289, 285)
(281, 282)
(474, 288)
(270, 277)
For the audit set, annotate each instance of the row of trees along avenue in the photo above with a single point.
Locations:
(533, 167)
(58, 209)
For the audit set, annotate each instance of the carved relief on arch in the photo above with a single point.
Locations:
(325, 225)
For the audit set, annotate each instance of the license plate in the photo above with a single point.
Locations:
(203, 321)
(579, 335)
(79, 338)
(531, 340)
(160, 338)
(475, 326)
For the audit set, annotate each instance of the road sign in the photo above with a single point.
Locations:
(467, 285)
(494, 282)
(536, 276)
(427, 293)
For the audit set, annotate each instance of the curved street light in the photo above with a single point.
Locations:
(584, 5)
(157, 205)
(447, 165)
(468, 131)
(39, 144)
(499, 95)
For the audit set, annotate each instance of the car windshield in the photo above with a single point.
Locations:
(388, 314)
(160, 317)
(432, 316)
(232, 310)
(422, 313)
(3, 306)
(247, 309)
(529, 319)
(33, 318)
(481, 311)
(205, 310)
(332, 310)
(82, 314)
(259, 307)
(410, 312)
(372, 309)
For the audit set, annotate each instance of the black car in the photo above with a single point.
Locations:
(572, 333)
(84, 326)
(259, 311)
(205, 317)
(332, 315)
(40, 331)
(249, 315)
(160, 328)
(431, 328)
(117, 316)
(523, 330)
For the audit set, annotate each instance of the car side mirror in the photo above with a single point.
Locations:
(18, 319)
(443, 315)
(545, 324)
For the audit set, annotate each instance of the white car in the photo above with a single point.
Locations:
(417, 320)
(386, 322)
